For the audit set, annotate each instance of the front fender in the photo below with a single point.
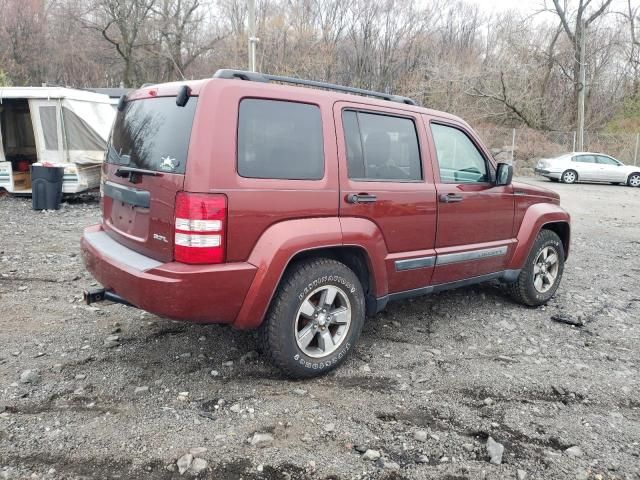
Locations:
(535, 218)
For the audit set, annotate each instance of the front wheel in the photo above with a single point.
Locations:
(634, 180)
(542, 272)
(570, 176)
(314, 319)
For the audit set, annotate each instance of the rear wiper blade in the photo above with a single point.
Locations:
(115, 158)
(127, 171)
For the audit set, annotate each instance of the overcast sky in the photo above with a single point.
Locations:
(529, 6)
(499, 5)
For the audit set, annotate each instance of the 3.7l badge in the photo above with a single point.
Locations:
(162, 238)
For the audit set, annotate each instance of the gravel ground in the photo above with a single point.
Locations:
(439, 387)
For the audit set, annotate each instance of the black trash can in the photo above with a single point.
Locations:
(46, 187)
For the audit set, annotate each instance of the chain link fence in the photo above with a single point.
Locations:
(526, 146)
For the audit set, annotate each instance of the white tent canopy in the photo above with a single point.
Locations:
(68, 125)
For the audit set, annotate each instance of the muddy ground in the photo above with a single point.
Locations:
(431, 380)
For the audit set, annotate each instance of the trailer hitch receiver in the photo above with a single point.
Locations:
(94, 295)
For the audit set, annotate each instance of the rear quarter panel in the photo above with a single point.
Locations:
(254, 204)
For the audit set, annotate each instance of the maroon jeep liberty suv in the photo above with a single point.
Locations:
(300, 207)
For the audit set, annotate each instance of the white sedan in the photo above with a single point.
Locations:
(588, 167)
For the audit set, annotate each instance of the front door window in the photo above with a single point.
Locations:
(458, 158)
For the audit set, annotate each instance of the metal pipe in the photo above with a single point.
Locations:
(582, 85)
(251, 12)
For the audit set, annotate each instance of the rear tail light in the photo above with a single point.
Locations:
(200, 228)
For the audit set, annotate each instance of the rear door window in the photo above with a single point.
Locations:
(153, 134)
(381, 147)
(606, 160)
(280, 140)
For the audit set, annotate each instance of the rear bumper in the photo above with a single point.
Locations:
(194, 293)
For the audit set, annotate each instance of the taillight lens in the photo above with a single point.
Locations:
(200, 227)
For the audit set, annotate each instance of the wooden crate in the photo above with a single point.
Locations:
(21, 180)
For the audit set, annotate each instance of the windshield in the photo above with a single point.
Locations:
(152, 134)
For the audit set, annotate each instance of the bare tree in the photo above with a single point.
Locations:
(183, 38)
(122, 24)
(23, 36)
(575, 24)
(449, 55)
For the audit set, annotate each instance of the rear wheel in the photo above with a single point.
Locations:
(542, 272)
(570, 176)
(314, 319)
(634, 180)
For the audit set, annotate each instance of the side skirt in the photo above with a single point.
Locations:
(376, 305)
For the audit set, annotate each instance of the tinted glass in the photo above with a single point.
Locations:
(153, 134)
(280, 140)
(381, 147)
(49, 122)
(585, 159)
(355, 159)
(458, 158)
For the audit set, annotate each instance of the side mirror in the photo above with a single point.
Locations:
(504, 174)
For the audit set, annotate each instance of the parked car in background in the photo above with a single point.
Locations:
(588, 167)
(300, 211)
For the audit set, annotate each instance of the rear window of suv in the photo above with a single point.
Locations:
(281, 140)
(152, 134)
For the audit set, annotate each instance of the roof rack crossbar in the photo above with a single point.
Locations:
(266, 78)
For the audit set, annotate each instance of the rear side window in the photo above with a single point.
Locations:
(381, 147)
(281, 140)
(153, 134)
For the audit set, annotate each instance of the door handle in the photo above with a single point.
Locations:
(361, 198)
(451, 198)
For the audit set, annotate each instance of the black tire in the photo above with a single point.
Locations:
(634, 179)
(569, 176)
(524, 290)
(278, 331)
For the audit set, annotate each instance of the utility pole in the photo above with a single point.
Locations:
(582, 86)
(251, 10)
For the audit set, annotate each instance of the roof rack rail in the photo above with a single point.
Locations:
(266, 78)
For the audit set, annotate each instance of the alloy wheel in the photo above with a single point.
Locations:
(569, 177)
(634, 180)
(323, 320)
(545, 269)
